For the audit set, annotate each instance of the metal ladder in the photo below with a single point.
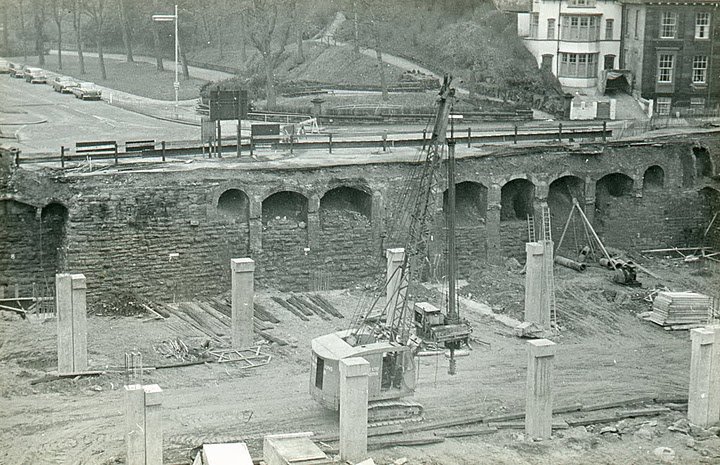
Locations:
(531, 228)
(546, 226)
(548, 265)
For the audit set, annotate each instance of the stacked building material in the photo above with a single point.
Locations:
(679, 309)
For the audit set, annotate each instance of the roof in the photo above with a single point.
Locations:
(715, 3)
(333, 347)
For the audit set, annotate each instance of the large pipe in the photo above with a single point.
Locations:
(568, 263)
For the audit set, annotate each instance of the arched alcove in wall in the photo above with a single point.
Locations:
(346, 244)
(235, 204)
(516, 200)
(470, 203)
(561, 193)
(703, 162)
(654, 178)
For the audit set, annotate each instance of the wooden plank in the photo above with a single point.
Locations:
(307, 309)
(327, 306)
(292, 301)
(290, 308)
(467, 432)
(619, 403)
(265, 314)
(314, 307)
(374, 445)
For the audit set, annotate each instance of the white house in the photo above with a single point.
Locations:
(575, 39)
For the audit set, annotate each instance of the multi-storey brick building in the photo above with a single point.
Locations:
(673, 51)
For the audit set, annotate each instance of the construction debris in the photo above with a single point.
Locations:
(679, 309)
(249, 358)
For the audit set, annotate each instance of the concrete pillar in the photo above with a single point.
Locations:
(539, 398)
(354, 374)
(143, 425)
(537, 297)
(704, 395)
(153, 425)
(71, 311)
(393, 292)
(492, 225)
(243, 294)
(135, 424)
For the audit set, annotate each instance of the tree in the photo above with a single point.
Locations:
(156, 40)
(39, 24)
(268, 34)
(376, 13)
(299, 22)
(97, 12)
(77, 27)
(21, 11)
(58, 12)
(125, 27)
(5, 7)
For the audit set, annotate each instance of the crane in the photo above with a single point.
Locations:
(390, 346)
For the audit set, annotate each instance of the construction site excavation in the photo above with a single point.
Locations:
(455, 283)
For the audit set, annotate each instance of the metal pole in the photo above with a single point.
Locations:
(239, 134)
(62, 156)
(452, 314)
(177, 83)
(219, 135)
(604, 138)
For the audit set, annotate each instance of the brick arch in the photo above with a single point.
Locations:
(307, 193)
(346, 223)
(471, 200)
(704, 163)
(285, 203)
(234, 203)
(653, 178)
(516, 199)
(616, 184)
(219, 190)
(346, 198)
(514, 177)
(561, 192)
(360, 184)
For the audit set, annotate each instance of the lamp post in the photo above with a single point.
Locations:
(176, 84)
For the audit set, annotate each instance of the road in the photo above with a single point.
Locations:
(36, 119)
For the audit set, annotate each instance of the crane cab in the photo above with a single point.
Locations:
(432, 325)
(392, 366)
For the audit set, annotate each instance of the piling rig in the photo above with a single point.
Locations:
(390, 344)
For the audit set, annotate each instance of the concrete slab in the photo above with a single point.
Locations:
(235, 453)
(286, 449)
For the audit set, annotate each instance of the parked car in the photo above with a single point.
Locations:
(17, 71)
(86, 91)
(64, 84)
(4, 67)
(35, 76)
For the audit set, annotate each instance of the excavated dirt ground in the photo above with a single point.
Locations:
(605, 353)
